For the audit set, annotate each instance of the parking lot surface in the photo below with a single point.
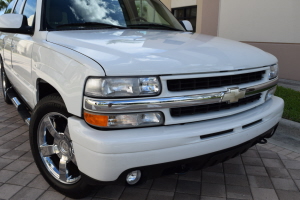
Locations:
(264, 172)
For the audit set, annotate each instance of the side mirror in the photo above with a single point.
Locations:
(187, 25)
(15, 23)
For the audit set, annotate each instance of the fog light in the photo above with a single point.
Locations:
(133, 177)
(271, 93)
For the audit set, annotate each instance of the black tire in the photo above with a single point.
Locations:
(5, 84)
(53, 104)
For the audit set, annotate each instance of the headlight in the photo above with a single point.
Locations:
(273, 71)
(123, 87)
(271, 93)
(124, 120)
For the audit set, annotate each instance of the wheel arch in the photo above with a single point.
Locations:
(44, 89)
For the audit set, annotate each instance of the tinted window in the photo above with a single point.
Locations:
(18, 7)
(29, 11)
(125, 13)
(10, 7)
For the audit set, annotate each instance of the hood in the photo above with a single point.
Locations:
(159, 52)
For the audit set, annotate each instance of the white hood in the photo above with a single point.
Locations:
(157, 52)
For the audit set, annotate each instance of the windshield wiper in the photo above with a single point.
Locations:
(91, 24)
(153, 25)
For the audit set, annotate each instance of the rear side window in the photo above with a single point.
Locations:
(18, 7)
(29, 11)
(10, 7)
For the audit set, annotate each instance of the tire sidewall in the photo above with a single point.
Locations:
(8, 84)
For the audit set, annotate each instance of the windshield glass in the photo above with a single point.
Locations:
(81, 14)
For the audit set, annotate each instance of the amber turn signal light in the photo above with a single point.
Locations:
(96, 120)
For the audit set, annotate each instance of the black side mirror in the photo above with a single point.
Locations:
(25, 29)
(15, 23)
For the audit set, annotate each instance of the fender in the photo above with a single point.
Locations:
(57, 67)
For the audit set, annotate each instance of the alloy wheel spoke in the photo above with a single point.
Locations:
(49, 126)
(48, 150)
(74, 160)
(63, 170)
(67, 133)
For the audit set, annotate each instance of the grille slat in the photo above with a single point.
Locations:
(184, 111)
(177, 85)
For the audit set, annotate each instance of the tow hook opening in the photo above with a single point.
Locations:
(269, 135)
(263, 141)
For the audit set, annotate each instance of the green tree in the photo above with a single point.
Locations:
(4, 4)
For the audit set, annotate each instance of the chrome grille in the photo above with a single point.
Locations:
(185, 111)
(177, 85)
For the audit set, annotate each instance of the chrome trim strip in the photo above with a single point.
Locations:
(262, 87)
(114, 106)
(150, 104)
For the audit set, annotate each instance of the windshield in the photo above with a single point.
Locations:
(87, 14)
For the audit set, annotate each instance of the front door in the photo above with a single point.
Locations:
(21, 63)
(22, 45)
(7, 43)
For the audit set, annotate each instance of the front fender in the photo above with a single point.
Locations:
(66, 71)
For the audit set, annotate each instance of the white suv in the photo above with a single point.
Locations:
(120, 91)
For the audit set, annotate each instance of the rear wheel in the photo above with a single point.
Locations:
(5, 85)
(52, 148)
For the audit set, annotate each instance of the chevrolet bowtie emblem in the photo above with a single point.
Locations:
(233, 95)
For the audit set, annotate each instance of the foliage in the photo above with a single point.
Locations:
(4, 4)
(292, 103)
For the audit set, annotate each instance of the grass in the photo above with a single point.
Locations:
(292, 103)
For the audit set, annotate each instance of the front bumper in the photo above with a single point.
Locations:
(107, 155)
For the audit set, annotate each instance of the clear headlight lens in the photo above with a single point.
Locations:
(274, 69)
(124, 120)
(123, 87)
(271, 93)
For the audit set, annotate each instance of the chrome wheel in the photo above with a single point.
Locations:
(56, 149)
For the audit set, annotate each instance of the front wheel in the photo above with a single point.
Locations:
(52, 147)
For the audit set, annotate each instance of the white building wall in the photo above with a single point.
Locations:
(260, 20)
(183, 3)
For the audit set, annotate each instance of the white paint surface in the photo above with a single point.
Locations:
(104, 155)
(159, 52)
(260, 20)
